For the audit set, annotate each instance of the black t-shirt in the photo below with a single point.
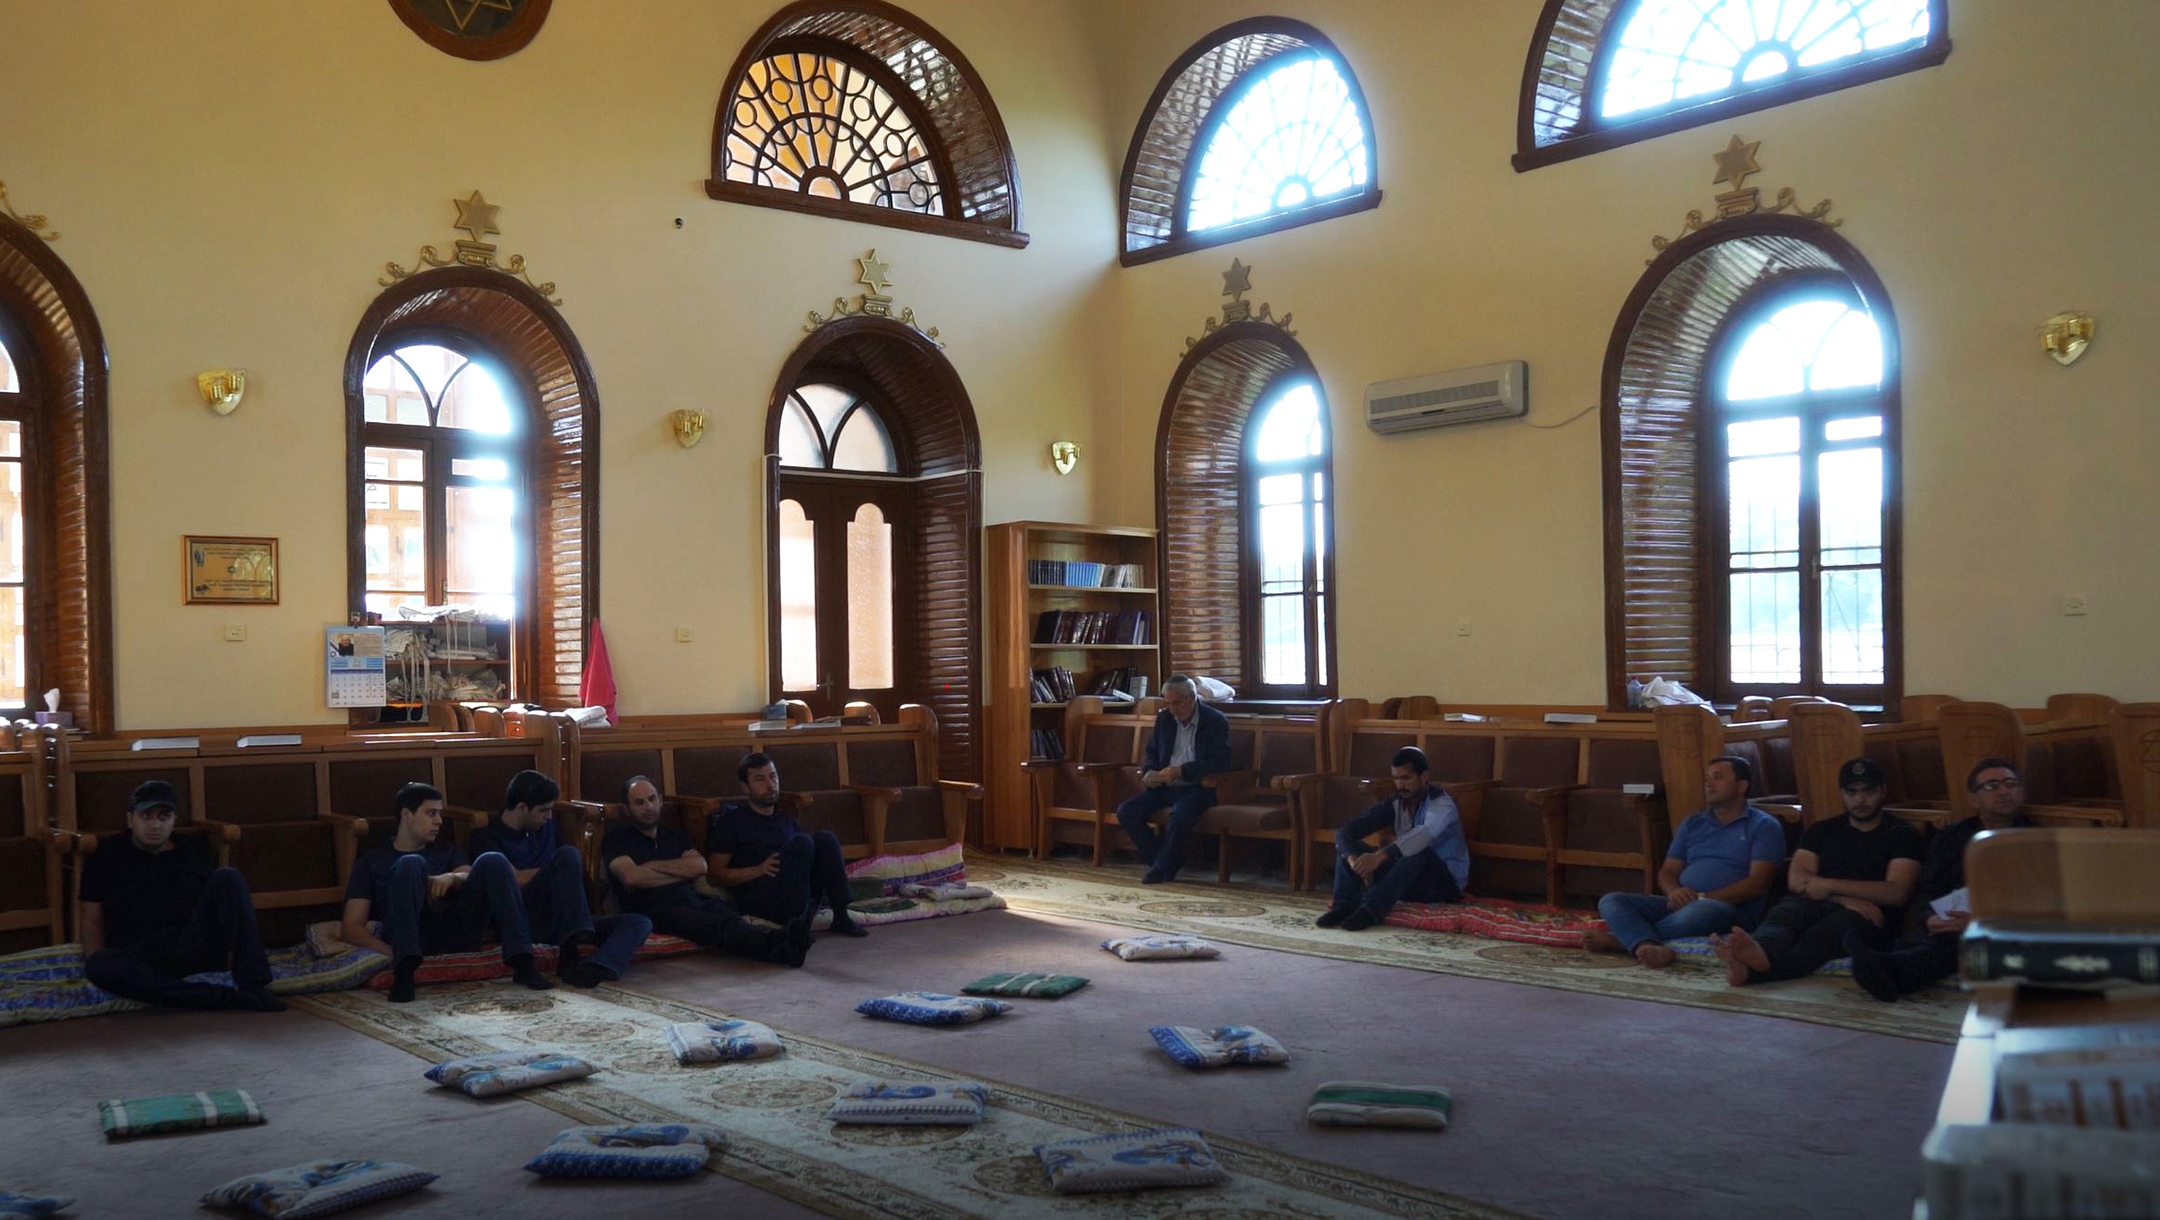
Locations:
(747, 836)
(371, 872)
(665, 843)
(1945, 870)
(1845, 854)
(145, 892)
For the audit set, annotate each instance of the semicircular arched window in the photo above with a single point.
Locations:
(864, 111)
(1608, 72)
(824, 427)
(1259, 126)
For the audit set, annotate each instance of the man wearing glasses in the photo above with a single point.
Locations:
(1998, 803)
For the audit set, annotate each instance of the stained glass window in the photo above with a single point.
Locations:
(1670, 51)
(1292, 136)
(825, 126)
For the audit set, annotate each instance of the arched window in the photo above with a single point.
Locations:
(1603, 73)
(861, 110)
(1242, 498)
(1259, 126)
(472, 480)
(1751, 470)
(823, 427)
(15, 413)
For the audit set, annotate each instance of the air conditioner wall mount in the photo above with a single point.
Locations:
(1490, 391)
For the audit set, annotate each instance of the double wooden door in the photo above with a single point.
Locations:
(844, 548)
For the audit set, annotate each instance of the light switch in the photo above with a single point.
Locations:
(2073, 603)
(235, 633)
(682, 635)
(1463, 627)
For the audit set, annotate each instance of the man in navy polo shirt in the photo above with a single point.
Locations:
(1716, 873)
(761, 856)
(551, 880)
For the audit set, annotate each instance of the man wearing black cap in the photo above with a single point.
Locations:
(1998, 803)
(1429, 861)
(1852, 874)
(157, 909)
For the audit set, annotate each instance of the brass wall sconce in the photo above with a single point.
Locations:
(1064, 455)
(222, 388)
(689, 427)
(2066, 336)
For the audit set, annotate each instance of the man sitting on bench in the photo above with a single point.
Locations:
(551, 882)
(760, 855)
(656, 870)
(1429, 861)
(156, 910)
(1998, 803)
(1852, 874)
(1715, 877)
(1191, 741)
(431, 901)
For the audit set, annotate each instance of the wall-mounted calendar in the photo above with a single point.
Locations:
(354, 672)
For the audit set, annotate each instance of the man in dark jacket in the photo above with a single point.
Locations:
(1191, 741)
(1998, 803)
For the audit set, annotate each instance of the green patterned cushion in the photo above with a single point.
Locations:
(177, 1112)
(1367, 1103)
(1031, 986)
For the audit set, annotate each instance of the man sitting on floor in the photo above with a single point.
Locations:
(1720, 866)
(1852, 874)
(1998, 802)
(760, 855)
(430, 900)
(1429, 861)
(551, 882)
(656, 870)
(1191, 741)
(155, 910)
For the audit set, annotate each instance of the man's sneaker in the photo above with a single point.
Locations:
(1359, 920)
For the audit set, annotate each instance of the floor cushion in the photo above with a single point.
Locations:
(722, 1041)
(1524, 923)
(317, 1188)
(951, 891)
(1159, 947)
(48, 984)
(635, 1150)
(1366, 1103)
(15, 1206)
(911, 1104)
(932, 1008)
(1219, 1046)
(1032, 986)
(480, 965)
(1131, 1160)
(497, 1072)
(946, 864)
(177, 1112)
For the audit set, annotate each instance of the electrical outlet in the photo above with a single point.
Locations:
(1463, 628)
(235, 633)
(682, 635)
(2073, 603)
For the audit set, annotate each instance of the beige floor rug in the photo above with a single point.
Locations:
(1266, 917)
(779, 1140)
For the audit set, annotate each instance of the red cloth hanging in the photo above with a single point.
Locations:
(596, 687)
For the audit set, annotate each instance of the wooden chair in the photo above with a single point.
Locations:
(1252, 804)
(1782, 706)
(1088, 783)
(2135, 730)
(32, 849)
(1411, 707)
(2080, 708)
(1973, 731)
(1751, 708)
(1825, 736)
(220, 835)
(860, 712)
(1921, 709)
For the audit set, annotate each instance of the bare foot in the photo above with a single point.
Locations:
(1747, 950)
(1736, 971)
(1601, 941)
(1654, 955)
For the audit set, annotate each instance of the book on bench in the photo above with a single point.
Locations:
(269, 739)
(165, 743)
(2060, 953)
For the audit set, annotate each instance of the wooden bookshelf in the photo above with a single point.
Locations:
(1016, 605)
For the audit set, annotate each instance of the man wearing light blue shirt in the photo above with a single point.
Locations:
(1429, 861)
(1716, 875)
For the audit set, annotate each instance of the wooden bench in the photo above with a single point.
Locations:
(33, 907)
(1972, 731)
(2134, 729)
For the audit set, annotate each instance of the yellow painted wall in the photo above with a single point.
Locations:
(229, 177)
(1989, 193)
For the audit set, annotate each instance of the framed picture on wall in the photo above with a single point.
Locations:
(230, 571)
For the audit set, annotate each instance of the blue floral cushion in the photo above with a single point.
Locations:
(318, 1188)
(722, 1041)
(911, 1103)
(932, 1008)
(507, 1071)
(15, 1206)
(1220, 1046)
(670, 1150)
(1131, 1160)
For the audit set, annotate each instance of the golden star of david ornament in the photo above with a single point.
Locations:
(476, 216)
(1237, 281)
(876, 275)
(1737, 163)
(472, 7)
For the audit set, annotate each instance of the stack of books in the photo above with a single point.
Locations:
(1095, 627)
(1085, 574)
(1046, 743)
(1052, 685)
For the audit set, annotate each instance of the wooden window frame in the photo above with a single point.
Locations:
(1557, 69)
(979, 177)
(1319, 595)
(1163, 142)
(509, 40)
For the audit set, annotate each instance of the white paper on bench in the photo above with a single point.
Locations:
(166, 743)
(1639, 789)
(269, 739)
(1570, 718)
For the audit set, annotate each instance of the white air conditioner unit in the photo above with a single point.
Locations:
(1490, 391)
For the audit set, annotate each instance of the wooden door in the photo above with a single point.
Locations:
(845, 610)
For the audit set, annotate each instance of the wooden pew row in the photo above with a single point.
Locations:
(32, 887)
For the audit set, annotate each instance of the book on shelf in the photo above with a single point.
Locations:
(1085, 574)
(1052, 685)
(1095, 627)
(2060, 953)
(1047, 744)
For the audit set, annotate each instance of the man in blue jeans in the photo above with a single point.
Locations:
(1191, 741)
(1716, 874)
(551, 880)
(1429, 861)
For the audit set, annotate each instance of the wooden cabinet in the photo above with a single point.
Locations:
(1044, 618)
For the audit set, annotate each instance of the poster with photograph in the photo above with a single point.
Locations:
(354, 669)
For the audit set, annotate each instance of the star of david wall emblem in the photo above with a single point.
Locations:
(473, 29)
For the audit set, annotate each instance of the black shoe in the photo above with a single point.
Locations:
(261, 999)
(848, 927)
(587, 975)
(1156, 876)
(1333, 917)
(1359, 920)
(401, 981)
(572, 951)
(523, 974)
(792, 946)
(1872, 969)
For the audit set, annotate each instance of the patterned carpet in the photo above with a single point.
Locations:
(779, 1141)
(1277, 918)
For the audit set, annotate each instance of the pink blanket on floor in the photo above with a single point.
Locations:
(1498, 919)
